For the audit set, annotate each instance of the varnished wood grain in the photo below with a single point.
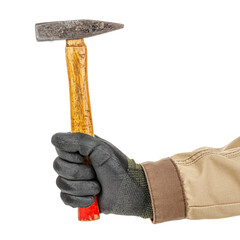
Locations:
(81, 117)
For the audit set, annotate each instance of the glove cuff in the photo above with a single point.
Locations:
(136, 172)
(133, 197)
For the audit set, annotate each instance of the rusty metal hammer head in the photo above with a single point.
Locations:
(74, 29)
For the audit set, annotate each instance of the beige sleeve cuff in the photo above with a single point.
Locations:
(165, 188)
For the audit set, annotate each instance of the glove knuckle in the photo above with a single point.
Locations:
(56, 165)
(63, 184)
(68, 199)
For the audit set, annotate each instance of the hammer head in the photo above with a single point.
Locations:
(74, 29)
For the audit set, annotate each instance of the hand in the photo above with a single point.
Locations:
(119, 182)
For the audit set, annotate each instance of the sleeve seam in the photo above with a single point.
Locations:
(181, 184)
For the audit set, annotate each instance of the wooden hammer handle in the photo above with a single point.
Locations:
(81, 117)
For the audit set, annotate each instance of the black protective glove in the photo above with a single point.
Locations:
(119, 182)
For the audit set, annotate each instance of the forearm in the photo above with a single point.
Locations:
(201, 184)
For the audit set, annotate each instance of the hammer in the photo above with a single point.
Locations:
(76, 55)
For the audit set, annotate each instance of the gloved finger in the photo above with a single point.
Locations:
(73, 171)
(78, 188)
(100, 156)
(75, 201)
(74, 142)
(71, 157)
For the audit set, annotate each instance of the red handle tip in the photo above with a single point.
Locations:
(89, 213)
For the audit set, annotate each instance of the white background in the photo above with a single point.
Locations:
(166, 83)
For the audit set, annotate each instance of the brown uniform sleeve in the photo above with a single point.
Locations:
(202, 184)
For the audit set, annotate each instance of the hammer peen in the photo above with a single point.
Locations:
(76, 55)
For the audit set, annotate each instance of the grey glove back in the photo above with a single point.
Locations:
(119, 182)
